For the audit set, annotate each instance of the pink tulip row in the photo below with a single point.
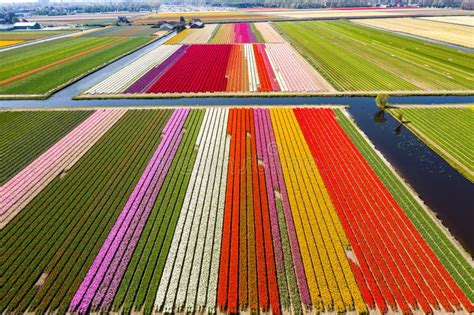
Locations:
(293, 73)
(99, 286)
(58, 159)
(275, 182)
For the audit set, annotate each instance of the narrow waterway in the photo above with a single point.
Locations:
(449, 194)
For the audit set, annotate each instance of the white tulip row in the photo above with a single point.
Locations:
(118, 82)
(199, 35)
(254, 81)
(269, 34)
(190, 275)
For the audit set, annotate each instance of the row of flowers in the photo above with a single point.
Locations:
(59, 158)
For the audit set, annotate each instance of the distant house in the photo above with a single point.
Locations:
(6, 27)
(196, 24)
(27, 26)
(167, 27)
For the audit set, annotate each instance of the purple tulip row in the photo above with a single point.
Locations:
(152, 76)
(275, 182)
(101, 282)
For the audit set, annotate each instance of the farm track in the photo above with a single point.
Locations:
(205, 210)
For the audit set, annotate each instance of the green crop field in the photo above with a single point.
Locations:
(26, 135)
(448, 131)
(61, 231)
(359, 58)
(43, 67)
(459, 268)
(31, 35)
(124, 31)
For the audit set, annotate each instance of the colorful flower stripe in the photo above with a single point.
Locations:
(269, 34)
(381, 235)
(186, 283)
(223, 68)
(125, 77)
(287, 252)
(237, 33)
(123, 237)
(263, 210)
(330, 280)
(146, 81)
(24, 186)
(198, 35)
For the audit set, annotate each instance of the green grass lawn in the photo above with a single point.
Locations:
(26, 135)
(17, 62)
(451, 130)
(359, 58)
(456, 264)
(60, 232)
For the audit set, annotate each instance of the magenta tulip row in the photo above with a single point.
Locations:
(103, 278)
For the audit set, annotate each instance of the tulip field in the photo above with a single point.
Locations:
(216, 210)
(360, 58)
(448, 131)
(242, 33)
(215, 68)
(43, 67)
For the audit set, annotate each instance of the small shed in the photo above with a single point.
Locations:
(27, 26)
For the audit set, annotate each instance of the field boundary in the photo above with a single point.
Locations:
(412, 191)
(152, 107)
(84, 96)
(74, 80)
(460, 167)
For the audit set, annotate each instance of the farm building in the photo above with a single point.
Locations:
(27, 26)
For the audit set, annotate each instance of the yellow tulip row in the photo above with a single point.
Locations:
(320, 233)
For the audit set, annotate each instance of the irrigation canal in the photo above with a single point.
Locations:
(440, 186)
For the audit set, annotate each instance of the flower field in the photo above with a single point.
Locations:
(43, 67)
(237, 33)
(6, 43)
(219, 68)
(221, 209)
(25, 135)
(359, 58)
(445, 32)
(448, 131)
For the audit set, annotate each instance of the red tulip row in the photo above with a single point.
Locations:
(397, 264)
(201, 69)
(247, 275)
